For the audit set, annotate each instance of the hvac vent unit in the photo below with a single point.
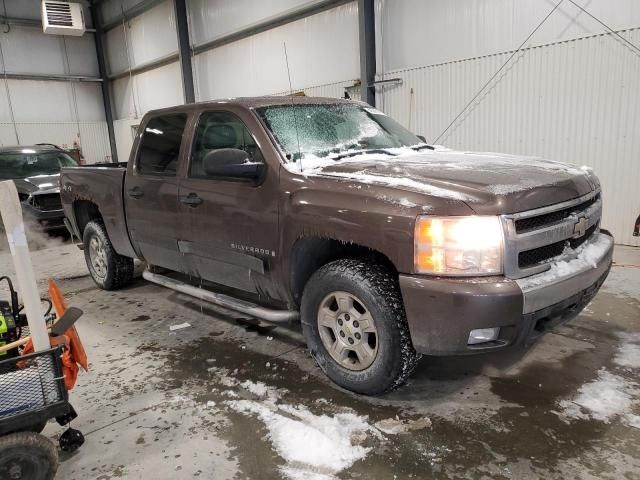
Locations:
(62, 18)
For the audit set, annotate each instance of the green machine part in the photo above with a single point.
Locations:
(7, 327)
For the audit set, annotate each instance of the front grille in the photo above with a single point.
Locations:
(535, 256)
(538, 237)
(524, 225)
(47, 202)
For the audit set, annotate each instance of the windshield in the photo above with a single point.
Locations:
(334, 131)
(29, 163)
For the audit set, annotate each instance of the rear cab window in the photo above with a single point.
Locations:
(159, 150)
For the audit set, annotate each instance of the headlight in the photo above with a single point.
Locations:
(458, 245)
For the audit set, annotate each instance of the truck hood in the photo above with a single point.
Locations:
(488, 183)
(38, 183)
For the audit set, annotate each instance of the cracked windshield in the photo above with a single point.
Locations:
(335, 131)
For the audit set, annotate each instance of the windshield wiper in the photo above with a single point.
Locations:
(422, 147)
(361, 152)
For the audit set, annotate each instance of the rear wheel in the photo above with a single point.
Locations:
(109, 270)
(355, 326)
(27, 456)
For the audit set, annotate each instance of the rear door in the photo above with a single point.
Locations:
(151, 191)
(230, 229)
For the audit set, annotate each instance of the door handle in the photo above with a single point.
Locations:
(192, 200)
(135, 192)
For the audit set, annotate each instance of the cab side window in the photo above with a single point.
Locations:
(217, 130)
(159, 149)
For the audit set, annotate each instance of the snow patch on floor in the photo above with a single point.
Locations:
(395, 426)
(313, 446)
(628, 355)
(607, 398)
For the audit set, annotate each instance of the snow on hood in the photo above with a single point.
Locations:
(466, 176)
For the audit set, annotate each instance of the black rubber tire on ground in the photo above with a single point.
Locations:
(34, 456)
(379, 292)
(119, 269)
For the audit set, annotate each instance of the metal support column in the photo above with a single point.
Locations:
(367, 33)
(102, 69)
(184, 49)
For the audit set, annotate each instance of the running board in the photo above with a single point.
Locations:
(248, 308)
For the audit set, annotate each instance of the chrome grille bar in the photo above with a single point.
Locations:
(554, 232)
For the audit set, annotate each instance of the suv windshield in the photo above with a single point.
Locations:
(28, 163)
(334, 130)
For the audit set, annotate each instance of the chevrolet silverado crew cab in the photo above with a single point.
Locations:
(330, 212)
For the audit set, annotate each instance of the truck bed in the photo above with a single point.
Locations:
(101, 186)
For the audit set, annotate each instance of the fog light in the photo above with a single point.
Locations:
(483, 335)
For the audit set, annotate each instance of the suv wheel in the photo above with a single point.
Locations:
(109, 270)
(355, 326)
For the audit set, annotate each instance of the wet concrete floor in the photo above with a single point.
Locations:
(155, 403)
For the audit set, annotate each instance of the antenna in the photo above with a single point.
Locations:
(295, 117)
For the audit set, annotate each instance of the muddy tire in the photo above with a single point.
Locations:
(27, 456)
(355, 326)
(109, 270)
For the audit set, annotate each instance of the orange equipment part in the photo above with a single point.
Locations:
(74, 353)
(75, 344)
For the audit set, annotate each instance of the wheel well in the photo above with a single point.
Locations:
(310, 254)
(85, 212)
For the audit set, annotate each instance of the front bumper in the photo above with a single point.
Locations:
(441, 311)
(46, 219)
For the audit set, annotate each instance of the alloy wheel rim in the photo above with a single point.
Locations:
(98, 256)
(347, 331)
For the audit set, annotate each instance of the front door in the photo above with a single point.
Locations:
(151, 191)
(230, 235)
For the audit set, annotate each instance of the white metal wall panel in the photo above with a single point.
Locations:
(322, 49)
(211, 19)
(157, 88)
(93, 137)
(575, 101)
(149, 36)
(112, 9)
(419, 32)
(47, 101)
(123, 132)
(28, 50)
(329, 90)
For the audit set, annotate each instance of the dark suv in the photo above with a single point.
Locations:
(36, 171)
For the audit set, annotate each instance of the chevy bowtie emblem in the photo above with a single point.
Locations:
(580, 228)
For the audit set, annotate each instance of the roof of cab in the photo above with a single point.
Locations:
(256, 102)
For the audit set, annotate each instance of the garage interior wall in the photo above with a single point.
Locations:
(46, 111)
(570, 95)
(322, 50)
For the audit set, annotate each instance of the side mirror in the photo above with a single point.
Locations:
(422, 137)
(231, 162)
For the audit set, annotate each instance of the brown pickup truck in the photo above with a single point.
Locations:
(331, 213)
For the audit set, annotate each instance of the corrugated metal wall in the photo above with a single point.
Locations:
(57, 112)
(575, 101)
(569, 95)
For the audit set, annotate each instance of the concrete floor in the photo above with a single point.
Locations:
(159, 404)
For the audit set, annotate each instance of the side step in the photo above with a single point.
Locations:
(248, 308)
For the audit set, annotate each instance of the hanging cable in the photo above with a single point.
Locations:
(515, 52)
(73, 92)
(8, 92)
(611, 30)
(126, 48)
(6, 22)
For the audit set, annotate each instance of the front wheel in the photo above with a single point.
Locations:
(27, 456)
(355, 326)
(108, 269)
